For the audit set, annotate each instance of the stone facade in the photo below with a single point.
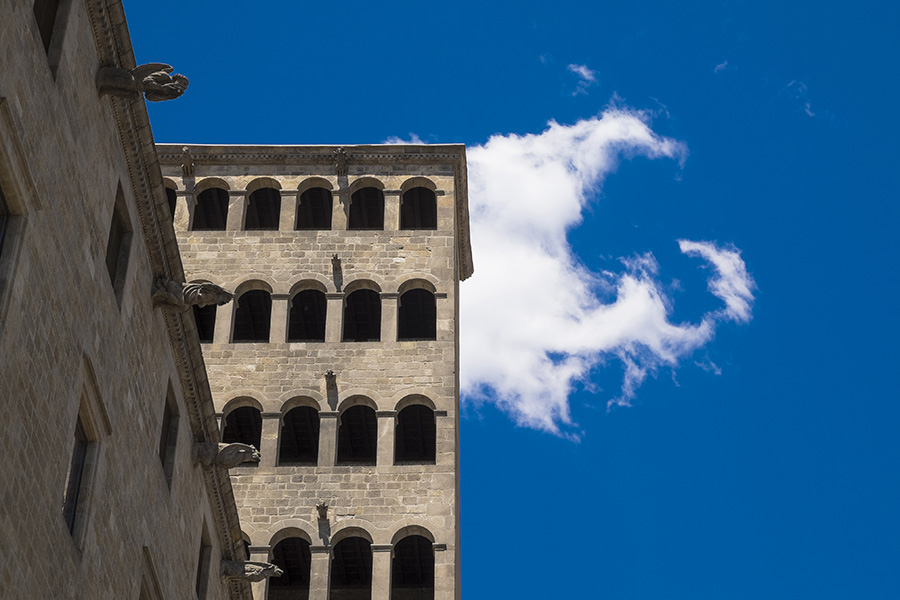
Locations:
(101, 394)
(381, 502)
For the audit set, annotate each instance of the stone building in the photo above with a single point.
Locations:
(338, 358)
(103, 390)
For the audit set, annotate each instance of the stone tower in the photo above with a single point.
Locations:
(338, 358)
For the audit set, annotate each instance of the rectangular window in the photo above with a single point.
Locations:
(75, 475)
(4, 220)
(45, 12)
(168, 437)
(118, 246)
(203, 565)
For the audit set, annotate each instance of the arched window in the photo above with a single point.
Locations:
(299, 437)
(362, 316)
(418, 209)
(366, 209)
(412, 569)
(417, 319)
(211, 212)
(205, 316)
(252, 317)
(47, 13)
(314, 209)
(292, 556)
(306, 322)
(415, 438)
(358, 436)
(243, 425)
(351, 570)
(263, 210)
(171, 197)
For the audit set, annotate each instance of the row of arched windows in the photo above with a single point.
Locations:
(350, 573)
(418, 207)
(416, 316)
(415, 434)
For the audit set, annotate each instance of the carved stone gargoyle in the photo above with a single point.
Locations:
(340, 162)
(224, 456)
(322, 508)
(330, 380)
(153, 80)
(249, 570)
(187, 163)
(181, 296)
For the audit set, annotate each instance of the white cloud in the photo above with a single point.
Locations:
(533, 321)
(586, 77)
(584, 72)
(721, 67)
(413, 139)
(731, 282)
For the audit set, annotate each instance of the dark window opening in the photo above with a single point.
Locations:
(357, 436)
(415, 438)
(263, 210)
(252, 317)
(243, 426)
(211, 211)
(418, 209)
(362, 316)
(417, 319)
(351, 570)
(412, 569)
(203, 562)
(306, 322)
(314, 209)
(168, 438)
(171, 198)
(299, 437)
(366, 209)
(4, 220)
(292, 556)
(75, 475)
(205, 316)
(118, 245)
(45, 12)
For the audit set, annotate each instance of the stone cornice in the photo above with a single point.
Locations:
(453, 155)
(113, 45)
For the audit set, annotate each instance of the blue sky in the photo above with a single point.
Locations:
(758, 457)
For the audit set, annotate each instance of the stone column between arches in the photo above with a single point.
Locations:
(260, 554)
(381, 571)
(279, 319)
(224, 318)
(389, 306)
(328, 421)
(319, 573)
(386, 425)
(271, 429)
(288, 216)
(391, 210)
(340, 207)
(334, 315)
(237, 208)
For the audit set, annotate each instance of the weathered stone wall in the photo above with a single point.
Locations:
(380, 500)
(69, 347)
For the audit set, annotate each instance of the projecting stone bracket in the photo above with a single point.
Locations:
(153, 80)
(180, 297)
(224, 456)
(249, 570)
